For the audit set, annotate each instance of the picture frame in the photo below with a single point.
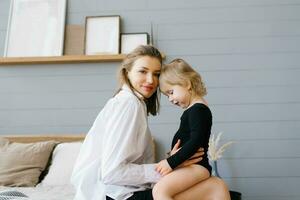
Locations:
(130, 41)
(42, 24)
(102, 35)
(74, 39)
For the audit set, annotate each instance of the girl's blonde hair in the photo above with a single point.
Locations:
(142, 50)
(179, 72)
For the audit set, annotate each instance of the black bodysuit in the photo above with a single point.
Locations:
(194, 132)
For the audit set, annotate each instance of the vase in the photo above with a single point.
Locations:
(215, 169)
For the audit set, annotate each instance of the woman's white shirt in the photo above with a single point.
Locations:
(116, 155)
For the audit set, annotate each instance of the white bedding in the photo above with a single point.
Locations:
(45, 192)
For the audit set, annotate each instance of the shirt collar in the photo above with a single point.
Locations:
(127, 88)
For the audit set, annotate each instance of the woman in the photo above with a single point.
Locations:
(115, 159)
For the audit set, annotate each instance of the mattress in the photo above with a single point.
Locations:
(45, 192)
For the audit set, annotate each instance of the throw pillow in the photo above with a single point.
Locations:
(63, 160)
(22, 163)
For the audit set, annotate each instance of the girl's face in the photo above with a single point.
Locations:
(177, 95)
(144, 75)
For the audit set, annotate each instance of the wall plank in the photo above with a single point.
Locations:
(231, 46)
(229, 30)
(265, 186)
(238, 113)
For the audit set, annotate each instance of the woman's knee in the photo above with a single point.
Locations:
(221, 190)
(221, 183)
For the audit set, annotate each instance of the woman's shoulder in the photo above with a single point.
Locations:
(125, 95)
(126, 98)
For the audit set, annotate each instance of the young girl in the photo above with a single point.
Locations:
(184, 87)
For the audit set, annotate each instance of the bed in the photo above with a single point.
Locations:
(53, 156)
(53, 175)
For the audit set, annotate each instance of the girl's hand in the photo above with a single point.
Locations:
(163, 167)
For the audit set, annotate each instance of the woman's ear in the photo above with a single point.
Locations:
(125, 72)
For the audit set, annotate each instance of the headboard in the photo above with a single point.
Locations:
(40, 138)
(59, 138)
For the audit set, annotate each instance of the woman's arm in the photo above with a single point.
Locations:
(124, 146)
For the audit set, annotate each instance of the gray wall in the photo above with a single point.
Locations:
(248, 53)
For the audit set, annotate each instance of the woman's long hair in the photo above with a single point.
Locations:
(152, 102)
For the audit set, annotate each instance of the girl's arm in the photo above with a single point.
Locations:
(200, 122)
(164, 168)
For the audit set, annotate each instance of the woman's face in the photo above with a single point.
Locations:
(144, 75)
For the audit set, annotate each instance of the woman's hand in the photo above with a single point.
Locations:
(197, 157)
(163, 167)
(175, 148)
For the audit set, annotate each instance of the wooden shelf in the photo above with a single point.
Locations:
(62, 59)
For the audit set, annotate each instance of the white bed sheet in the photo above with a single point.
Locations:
(66, 192)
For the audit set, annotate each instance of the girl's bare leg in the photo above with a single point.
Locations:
(178, 181)
(212, 188)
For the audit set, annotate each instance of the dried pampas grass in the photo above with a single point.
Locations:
(215, 152)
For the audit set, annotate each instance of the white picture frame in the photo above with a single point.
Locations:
(35, 28)
(130, 41)
(102, 35)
